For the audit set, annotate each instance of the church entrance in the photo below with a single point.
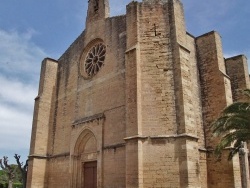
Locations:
(90, 174)
(84, 162)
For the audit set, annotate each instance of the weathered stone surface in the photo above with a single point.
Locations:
(143, 114)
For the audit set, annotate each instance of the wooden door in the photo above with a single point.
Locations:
(90, 174)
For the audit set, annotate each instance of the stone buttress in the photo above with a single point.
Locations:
(132, 99)
(163, 124)
(39, 147)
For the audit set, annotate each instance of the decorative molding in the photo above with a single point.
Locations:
(60, 155)
(187, 136)
(224, 74)
(35, 156)
(88, 119)
(114, 146)
(131, 49)
(203, 149)
(184, 48)
(135, 137)
(37, 98)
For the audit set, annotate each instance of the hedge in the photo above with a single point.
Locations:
(3, 185)
(15, 185)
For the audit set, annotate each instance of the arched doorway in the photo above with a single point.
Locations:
(84, 174)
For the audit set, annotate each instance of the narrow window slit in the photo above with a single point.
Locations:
(155, 29)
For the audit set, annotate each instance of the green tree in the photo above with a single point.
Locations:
(233, 126)
(22, 169)
(3, 179)
(9, 170)
(12, 175)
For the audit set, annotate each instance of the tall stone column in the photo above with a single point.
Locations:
(37, 174)
(161, 142)
(216, 95)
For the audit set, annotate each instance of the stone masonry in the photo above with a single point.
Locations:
(130, 102)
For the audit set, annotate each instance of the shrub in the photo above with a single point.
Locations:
(17, 185)
(3, 185)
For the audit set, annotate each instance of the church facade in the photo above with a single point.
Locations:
(130, 103)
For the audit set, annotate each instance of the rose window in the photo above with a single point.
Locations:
(95, 59)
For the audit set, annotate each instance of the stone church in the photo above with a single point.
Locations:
(130, 102)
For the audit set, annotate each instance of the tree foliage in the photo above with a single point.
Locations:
(22, 168)
(233, 126)
(9, 170)
(3, 179)
(13, 174)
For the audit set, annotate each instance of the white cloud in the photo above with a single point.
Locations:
(15, 128)
(20, 61)
(16, 92)
(18, 54)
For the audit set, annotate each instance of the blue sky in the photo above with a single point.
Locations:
(32, 30)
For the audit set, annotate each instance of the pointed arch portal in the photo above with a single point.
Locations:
(85, 161)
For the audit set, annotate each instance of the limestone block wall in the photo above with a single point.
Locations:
(203, 168)
(61, 123)
(214, 80)
(184, 66)
(114, 167)
(194, 93)
(145, 116)
(66, 96)
(161, 167)
(37, 175)
(237, 70)
(133, 130)
(159, 97)
(216, 95)
(39, 147)
(43, 107)
(59, 172)
(79, 99)
(158, 107)
(194, 108)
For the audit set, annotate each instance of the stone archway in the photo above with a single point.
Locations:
(85, 161)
